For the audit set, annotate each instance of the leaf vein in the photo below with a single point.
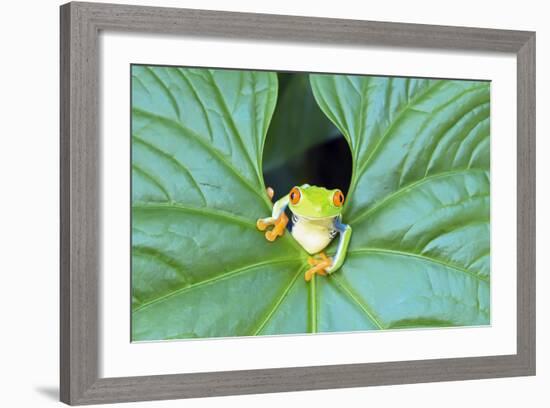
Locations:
(408, 187)
(153, 180)
(232, 122)
(270, 313)
(172, 159)
(421, 257)
(189, 83)
(438, 109)
(417, 98)
(215, 279)
(446, 131)
(166, 90)
(214, 152)
(471, 132)
(206, 211)
(364, 306)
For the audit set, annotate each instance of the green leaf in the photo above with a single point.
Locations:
(418, 200)
(418, 205)
(297, 125)
(199, 266)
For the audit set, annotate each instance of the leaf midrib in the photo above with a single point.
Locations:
(420, 257)
(233, 125)
(267, 317)
(206, 211)
(312, 302)
(410, 103)
(215, 279)
(365, 308)
(406, 188)
(208, 147)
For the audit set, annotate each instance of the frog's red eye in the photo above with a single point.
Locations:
(295, 195)
(338, 198)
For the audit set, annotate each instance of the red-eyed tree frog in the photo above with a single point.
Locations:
(316, 220)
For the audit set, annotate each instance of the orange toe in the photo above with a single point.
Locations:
(319, 266)
(261, 225)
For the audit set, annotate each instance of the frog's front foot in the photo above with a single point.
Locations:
(279, 226)
(320, 264)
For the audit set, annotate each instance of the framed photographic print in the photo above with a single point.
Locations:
(260, 203)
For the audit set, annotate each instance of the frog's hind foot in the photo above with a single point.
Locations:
(320, 264)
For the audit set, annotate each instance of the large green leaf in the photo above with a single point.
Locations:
(199, 266)
(419, 254)
(418, 200)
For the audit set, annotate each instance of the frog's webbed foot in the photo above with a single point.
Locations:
(279, 226)
(320, 263)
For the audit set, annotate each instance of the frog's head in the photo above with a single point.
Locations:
(315, 202)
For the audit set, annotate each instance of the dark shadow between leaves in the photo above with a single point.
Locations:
(302, 145)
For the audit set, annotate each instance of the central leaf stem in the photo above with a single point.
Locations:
(313, 305)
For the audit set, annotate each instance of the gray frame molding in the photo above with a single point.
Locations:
(80, 233)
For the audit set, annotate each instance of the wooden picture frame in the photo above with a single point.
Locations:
(81, 24)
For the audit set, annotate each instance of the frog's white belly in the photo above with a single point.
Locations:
(313, 235)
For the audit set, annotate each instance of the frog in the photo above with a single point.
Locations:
(316, 221)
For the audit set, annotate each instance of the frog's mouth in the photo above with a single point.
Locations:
(313, 219)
